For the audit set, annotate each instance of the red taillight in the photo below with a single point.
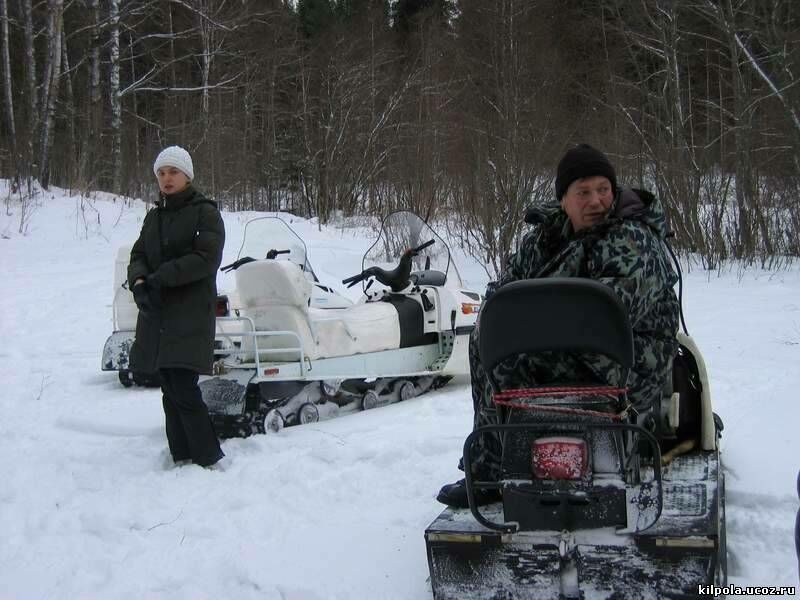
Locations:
(559, 458)
(469, 308)
(221, 306)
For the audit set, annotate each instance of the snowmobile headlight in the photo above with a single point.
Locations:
(559, 458)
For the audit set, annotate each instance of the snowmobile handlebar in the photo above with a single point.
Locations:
(419, 249)
(351, 281)
(235, 265)
(398, 278)
(274, 253)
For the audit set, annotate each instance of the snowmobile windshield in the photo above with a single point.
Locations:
(272, 237)
(402, 230)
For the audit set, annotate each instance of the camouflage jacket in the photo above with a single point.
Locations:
(626, 252)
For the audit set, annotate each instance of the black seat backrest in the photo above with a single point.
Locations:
(567, 314)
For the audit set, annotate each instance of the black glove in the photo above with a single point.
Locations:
(154, 291)
(142, 297)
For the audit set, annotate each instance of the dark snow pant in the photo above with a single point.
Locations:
(517, 372)
(190, 433)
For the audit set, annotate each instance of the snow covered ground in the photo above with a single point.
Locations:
(331, 510)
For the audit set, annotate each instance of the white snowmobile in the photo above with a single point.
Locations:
(297, 361)
(599, 498)
(125, 312)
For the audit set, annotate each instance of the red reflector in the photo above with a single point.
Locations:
(559, 458)
(221, 306)
(271, 371)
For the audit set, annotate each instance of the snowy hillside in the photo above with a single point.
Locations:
(331, 510)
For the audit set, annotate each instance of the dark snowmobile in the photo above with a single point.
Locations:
(600, 499)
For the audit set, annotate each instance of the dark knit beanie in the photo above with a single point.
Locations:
(583, 161)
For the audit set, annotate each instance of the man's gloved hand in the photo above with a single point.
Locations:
(142, 297)
(154, 291)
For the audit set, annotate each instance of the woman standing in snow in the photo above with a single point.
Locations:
(172, 274)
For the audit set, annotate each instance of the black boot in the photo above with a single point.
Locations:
(455, 495)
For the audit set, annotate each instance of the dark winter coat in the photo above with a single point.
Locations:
(626, 251)
(180, 248)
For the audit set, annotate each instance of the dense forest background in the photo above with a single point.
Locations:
(457, 109)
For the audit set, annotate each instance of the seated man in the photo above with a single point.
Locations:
(614, 235)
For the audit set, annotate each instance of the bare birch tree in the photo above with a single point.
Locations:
(94, 117)
(115, 99)
(30, 76)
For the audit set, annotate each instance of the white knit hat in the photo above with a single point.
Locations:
(174, 156)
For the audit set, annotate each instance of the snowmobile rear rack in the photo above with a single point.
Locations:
(256, 351)
(642, 499)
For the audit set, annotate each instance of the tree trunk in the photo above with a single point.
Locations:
(115, 100)
(170, 115)
(8, 96)
(50, 88)
(30, 72)
(741, 141)
(207, 35)
(69, 113)
(136, 142)
(92, 140)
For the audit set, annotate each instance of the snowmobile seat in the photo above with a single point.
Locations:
(276, 295)
(558, 315)
(566, 314)
(357, 329)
